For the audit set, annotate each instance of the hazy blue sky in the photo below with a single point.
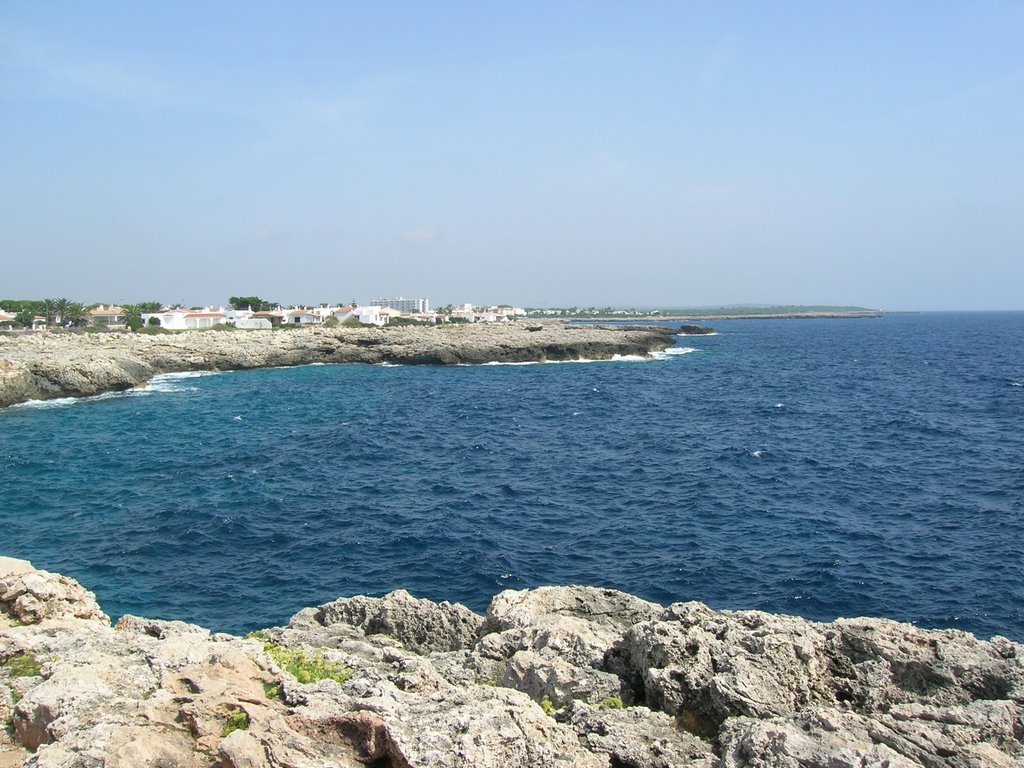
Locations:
(537, 153)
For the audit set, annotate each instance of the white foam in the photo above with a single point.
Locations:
(57, 402)
(757, 454)
(1016, 384)
(183, 375)
(169, 382)
(671, 352)
(780, 405)
(698, 334)
(64, 402)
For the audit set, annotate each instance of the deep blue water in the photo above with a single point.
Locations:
(816, 467)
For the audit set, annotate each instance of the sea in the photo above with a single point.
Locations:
(819, 467)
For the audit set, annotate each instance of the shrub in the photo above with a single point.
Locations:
(547, 705)
(23, 665)
(272, 690)
(331, 322)
(352, 322)
(237, 721)
(611, 702)
(307, 669)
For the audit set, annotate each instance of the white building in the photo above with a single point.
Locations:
(195, 320)
(403, 304)
(103, 315)
(365, 315)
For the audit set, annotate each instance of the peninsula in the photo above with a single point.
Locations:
(563, 677)
(44, 365)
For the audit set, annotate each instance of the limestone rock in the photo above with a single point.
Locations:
(420, 625)
(548, 676)
(579, 624)
(69, 364)
(637, 737)
(444, 687)
(30, 596)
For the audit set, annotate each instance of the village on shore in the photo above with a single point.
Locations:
(252, 313)
(249, 313)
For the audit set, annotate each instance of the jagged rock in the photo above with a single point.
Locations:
(814, 739)
(485, 728)
(637, 737)
(876, 663)
(755, 689)
(707, 666)
(690, 329)
(579, 624)
(546, 676)
(30, 596)
(420, 625)
(468, 668)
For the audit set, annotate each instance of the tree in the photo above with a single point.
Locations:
(255, 303)
(73, 314)
(149, 307)
(24, 318)
(133, 316)
(60, 309)
(50, 310)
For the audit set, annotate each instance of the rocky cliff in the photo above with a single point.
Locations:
(555, 676)
(47, 365)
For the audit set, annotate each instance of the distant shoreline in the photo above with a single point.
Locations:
(872, 314)
(44, 366)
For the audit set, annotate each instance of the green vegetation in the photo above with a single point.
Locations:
(23, 665)
(330, 322)
(305, 668)
(237, 721)
(611, 702)
(272, 690)
(352, 322)
(255, 303)
(547, 705)
(258, 634)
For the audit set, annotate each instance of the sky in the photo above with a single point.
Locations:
(669, 154)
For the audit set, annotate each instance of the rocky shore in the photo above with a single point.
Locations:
(554, 676)
(45, 365)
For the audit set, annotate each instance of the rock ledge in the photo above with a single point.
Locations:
(555, 676)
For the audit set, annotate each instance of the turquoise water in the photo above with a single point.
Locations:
(817, 467)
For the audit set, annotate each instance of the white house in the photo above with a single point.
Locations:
(365, 315)
(300, 317)
(193, 320)
(104, 315)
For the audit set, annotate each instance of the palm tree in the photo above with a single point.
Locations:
(133, 316)
(74, 314)
(49, 309)
(60, 308)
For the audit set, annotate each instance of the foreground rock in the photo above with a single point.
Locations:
(555, 676)
(48, 365)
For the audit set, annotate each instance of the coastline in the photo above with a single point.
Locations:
(43, 366)
(568, 677)
(710, 317)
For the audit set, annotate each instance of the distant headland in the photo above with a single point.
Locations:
(65, 363)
